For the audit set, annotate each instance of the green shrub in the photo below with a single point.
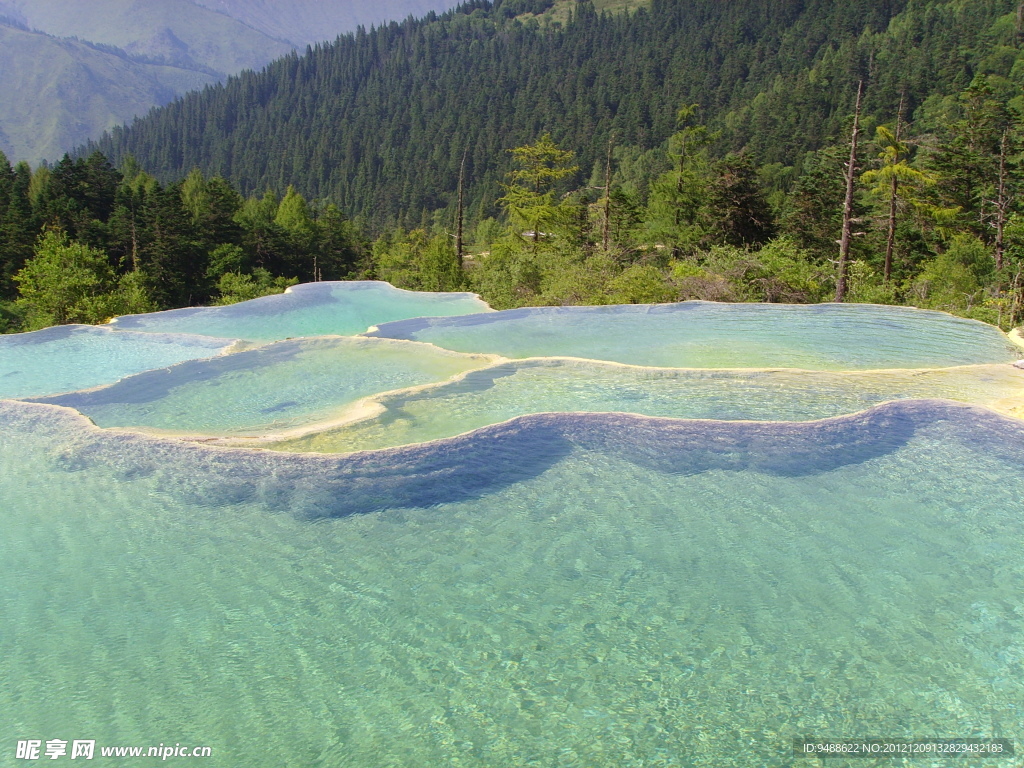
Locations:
(641, 284)
(235, 287)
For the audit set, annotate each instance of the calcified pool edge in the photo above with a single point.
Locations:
(280, 386)
(310, 309)
(1016, 337)
(763, 395)
(470, 465)
(780, 394)
(998, 387)
(698, 334)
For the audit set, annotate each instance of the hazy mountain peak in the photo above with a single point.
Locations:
(309, 21)
(147, 28)
(56, 93)
(11, 13)
(59, 90)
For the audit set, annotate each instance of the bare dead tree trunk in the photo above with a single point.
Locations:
(679, 181)
(607, 196)
(851, 179)
(1002, 202)
(890, 240)
(679, 193)
(1015, 305)
(135, 246)
(458, 212)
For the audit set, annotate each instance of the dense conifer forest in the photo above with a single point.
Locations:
(687, 150)
(379, 120)
(82, 241)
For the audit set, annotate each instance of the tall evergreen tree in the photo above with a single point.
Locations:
(341, 253)
(679, 207)
(18, 228)
(894, 184)
(172, 257)
(967, 159)
(741, 214)
(530, 199)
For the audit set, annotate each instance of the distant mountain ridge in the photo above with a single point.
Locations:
(56, 93)
(174, 32)
(302, 22)
(71, 69)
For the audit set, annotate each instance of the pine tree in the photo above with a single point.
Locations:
(678, 213)
(18, 228)
(529, 199)
(740, 213)
(896, 184)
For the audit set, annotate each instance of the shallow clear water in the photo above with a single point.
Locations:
(310, 309)
(70, 357)
(698, 334)
(507, 390)
(560, 591)
(276, 387)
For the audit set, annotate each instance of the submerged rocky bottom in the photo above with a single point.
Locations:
(574, 589)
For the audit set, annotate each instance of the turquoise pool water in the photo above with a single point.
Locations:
(507, 390)
(310, 309)
(71, 357)
(562, 590)
(276, 387)
(595, 565)
(697, 334)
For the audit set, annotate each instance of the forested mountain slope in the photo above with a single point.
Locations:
(378, 121)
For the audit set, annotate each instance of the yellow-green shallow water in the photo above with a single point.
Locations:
(508, 390)
(279, 386)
